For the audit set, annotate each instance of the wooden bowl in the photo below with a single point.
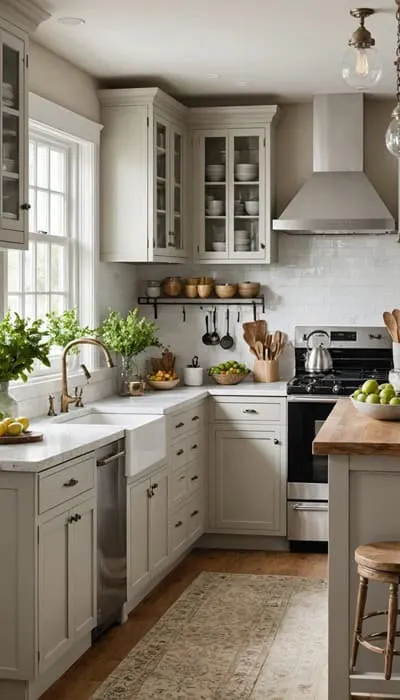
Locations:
(163, 386)
(248, 290)
(229, 378)
(191, 291)
(205, 290)
(225, 291)
(172, 286)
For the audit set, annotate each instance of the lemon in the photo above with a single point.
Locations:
(24, 421)
(15, 428)
(6, 421)
(3, 429)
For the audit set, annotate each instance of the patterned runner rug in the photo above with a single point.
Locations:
(232, 637)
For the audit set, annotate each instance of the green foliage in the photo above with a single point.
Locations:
(21, 343)
(128, 335)
(62, 328)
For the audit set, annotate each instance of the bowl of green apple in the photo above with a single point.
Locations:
(378, 401)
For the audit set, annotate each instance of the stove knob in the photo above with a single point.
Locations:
(310, 388)
(336, 388)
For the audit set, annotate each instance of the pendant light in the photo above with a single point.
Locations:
(393, 131)
(361, 66)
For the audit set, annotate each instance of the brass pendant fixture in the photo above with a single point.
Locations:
(361, 66)
(392, 136)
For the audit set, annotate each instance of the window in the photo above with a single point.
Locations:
(44, 278)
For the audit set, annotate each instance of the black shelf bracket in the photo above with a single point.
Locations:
(155, 302)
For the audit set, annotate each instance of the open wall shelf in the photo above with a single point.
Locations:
(257, 302)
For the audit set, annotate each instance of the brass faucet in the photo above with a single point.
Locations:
(66, 399)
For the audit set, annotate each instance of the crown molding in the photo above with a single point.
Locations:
(24, 14)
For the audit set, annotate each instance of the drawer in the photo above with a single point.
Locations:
(195, 477)
(179, 452)
(178, 485)
(178, 530)
(196, 418)
(195, 516)
(66, 483)
(195, 445)
(179, 424)
(270, 411)
(307, 520)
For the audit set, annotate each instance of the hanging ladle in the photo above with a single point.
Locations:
(227, 341)
(214, 334)
(206, 337)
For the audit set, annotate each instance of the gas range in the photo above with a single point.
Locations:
(335, 383)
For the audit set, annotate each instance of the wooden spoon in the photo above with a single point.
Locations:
(259, 348)
(390, 323)
(396, 314)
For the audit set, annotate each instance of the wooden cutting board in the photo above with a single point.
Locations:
(29, 436)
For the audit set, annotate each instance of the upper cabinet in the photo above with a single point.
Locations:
(143, 165)
(17, 20)
(232, 152)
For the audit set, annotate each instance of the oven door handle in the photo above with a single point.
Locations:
(317, 507)
(313, 399)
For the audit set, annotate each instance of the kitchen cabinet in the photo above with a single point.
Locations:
(143, 176)
(16, 22)
(147, 530)
(232, 184)
(66, 580)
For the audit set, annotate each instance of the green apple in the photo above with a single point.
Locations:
(370, 386)
(356, 393)
(361, 397)
(372, 398)
(395, 401)
(386, 395)
(383, 387)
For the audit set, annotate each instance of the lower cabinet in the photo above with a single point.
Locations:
(66, 580)
(147, 530)
(247, 481)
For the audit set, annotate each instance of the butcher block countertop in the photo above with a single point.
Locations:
(348, 432)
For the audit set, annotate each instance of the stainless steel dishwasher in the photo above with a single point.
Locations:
(111, 534)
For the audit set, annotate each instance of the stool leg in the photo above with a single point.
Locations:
(391, 629)
(361, 599)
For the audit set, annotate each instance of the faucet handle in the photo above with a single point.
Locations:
(78, 397)
(51, 411)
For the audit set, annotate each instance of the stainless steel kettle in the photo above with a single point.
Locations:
(318, 359)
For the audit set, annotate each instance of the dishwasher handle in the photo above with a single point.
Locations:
(111, 458)
(317, 507)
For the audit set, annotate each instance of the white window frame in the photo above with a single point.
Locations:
(48, 116)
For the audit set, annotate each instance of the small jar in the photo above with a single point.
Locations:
(153, 289)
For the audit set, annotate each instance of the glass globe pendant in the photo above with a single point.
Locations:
(362, 65)
(392, 135)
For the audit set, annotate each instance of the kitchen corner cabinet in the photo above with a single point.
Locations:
(143, 176)
(232, 150)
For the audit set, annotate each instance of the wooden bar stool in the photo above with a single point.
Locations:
(379, 561)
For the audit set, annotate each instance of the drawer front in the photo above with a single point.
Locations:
(195, 516)
(179, 453)
(195, 445)
(249, 411)
(195, 475)
(178, 530)
(179, 485)
(64, 484)
(179, 424)
(196, 418)
(307, 521)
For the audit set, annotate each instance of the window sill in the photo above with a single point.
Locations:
(39, 387)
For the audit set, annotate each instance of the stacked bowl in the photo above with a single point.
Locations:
(242, 241)
(215, 172)
(246, 172)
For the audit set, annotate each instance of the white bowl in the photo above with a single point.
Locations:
(252, 207)
(215, 208)
(377, 410)
(218, 247)
(246, 177)
(242, 248)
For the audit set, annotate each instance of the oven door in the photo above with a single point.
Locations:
(307, 473)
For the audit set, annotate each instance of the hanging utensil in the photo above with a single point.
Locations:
(195, 361)
(206, 339)
(214, 334)
(396, 314)
(259, 348)
(267, 346)
(227, 340)
(390, 323)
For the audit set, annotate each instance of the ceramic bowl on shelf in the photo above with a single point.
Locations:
(218, 247)
(246, 171)
(225, 291)
(205, 290)
(248, 290)
(215, 207)
(216, 172)
(377, 411)
(163, 386)
(252, 207)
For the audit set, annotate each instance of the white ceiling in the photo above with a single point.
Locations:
(284, 49)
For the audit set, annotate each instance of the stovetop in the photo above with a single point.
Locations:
(339, 383)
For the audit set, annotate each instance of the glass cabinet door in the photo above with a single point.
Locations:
(247, 180)
(161, 172)
(176, 229)
(13, 133)
(214, 204)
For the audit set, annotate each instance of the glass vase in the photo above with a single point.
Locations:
(8, 405)
(131, 383)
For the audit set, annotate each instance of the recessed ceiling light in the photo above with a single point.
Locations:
(71, 21)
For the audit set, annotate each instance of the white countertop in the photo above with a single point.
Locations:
(61, 442)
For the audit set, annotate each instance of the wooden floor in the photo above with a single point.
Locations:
(82, 679)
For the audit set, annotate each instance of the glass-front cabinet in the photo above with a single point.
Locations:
(168, 237)
(14, 156)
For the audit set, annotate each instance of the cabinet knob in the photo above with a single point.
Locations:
(194, 478)
(276, 441)
(179, 425)
(196, 418)
(179, 453)
(179, 523)
(194, 447)
(71, 519)
(262, 246)
(25, 206)
(249, 410)
(154, 487)
(182, 477)
(195, 512)
(77, 517)
(71, 482)
(150, 493)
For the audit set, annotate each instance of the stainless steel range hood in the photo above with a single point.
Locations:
(338, 197)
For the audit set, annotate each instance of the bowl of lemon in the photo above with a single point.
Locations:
(378, 401)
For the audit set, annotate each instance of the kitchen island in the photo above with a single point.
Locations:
(364, 497)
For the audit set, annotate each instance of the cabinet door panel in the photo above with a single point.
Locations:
(54, 613)
(158, 544)
(248, 482)
(138, 538)
(82, 551)
(211, 199)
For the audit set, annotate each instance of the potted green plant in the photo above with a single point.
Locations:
(22, 342)
(64, 327)
(129, 336)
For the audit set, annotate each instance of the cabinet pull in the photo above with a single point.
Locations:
(71, 519)
(276, 441)
(111, 458)
(195, 512)
(25, 206)
(262, 246)
(194, 478)
(150, 493)
(194, 447)
(154, 487)
(196, 418)
(179, 523)
(181, 478)
(71, 482)
(78, 517)
(179, 453)
(249, 410)
(179, 425)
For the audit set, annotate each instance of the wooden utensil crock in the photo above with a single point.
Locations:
(266, 371)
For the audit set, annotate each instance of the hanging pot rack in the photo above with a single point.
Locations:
(155, 302)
